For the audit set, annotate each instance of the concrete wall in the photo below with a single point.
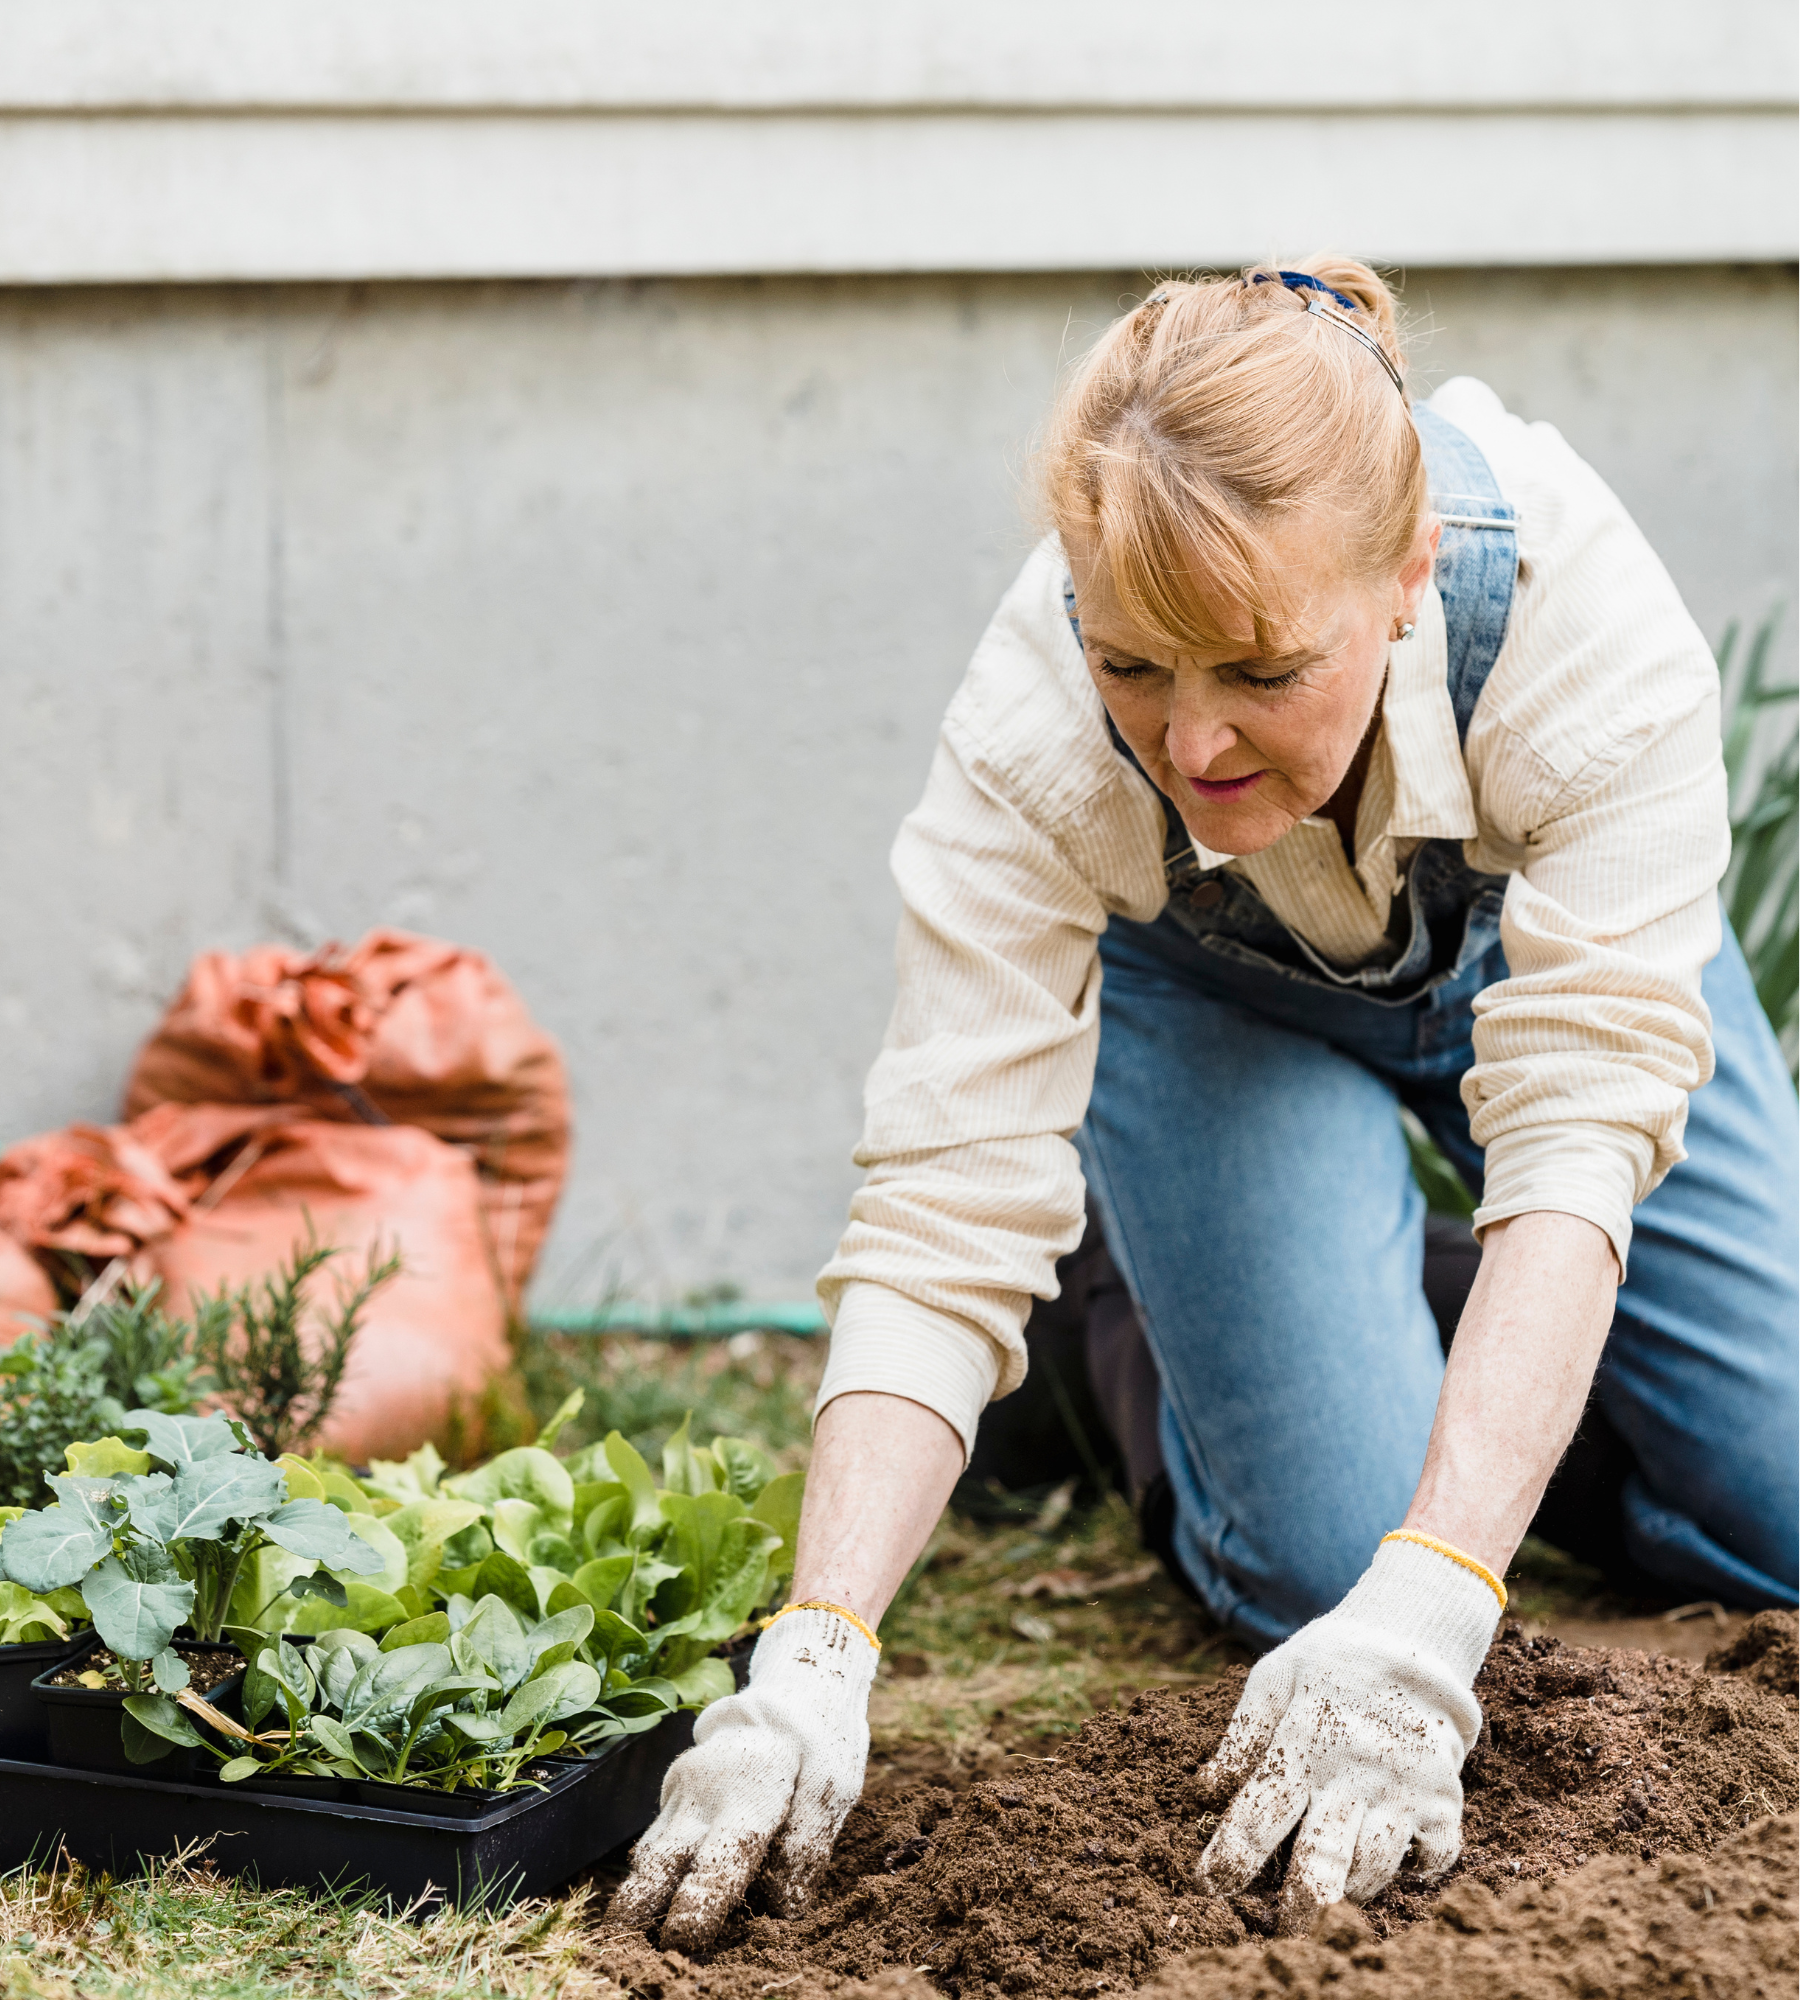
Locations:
(606, 625)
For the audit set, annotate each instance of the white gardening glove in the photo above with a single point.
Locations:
(1356, 1728)
(773, 1773)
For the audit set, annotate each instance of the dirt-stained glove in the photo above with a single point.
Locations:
(1356, 1728)
(769, 1781)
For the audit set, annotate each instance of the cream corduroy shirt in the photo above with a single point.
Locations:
(1591, 777)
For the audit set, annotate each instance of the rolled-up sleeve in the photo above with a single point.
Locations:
(1603, 794)
(974, 1189)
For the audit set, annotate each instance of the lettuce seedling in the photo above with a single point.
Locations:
(156, 1550)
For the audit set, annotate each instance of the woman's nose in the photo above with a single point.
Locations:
(1197, 734)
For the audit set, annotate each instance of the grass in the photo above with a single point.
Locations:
(185, 1932)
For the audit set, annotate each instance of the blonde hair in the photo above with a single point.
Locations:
(1217, 413)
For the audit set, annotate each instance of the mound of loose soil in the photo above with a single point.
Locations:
(1069, 1877)
(1618, 1930)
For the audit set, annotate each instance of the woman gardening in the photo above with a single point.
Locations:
(1332, 754)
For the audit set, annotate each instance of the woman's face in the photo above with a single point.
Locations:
(1246, 745)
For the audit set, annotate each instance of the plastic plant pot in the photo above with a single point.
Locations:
(291, 1787)
(21, 1716)
(446, 1805)
(82, 1725)
(527, 1844)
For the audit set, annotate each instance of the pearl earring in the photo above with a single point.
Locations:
(1405, 631)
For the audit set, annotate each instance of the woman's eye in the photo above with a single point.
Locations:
(1269, 683)
(1125, 670)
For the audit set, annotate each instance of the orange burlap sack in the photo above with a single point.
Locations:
(401, 1029)
(433, 1338)
(27, 1297)
(204, 1195)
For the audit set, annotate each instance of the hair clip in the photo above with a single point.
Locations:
(1321, 310)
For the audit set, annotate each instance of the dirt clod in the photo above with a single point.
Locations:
(1601, 1782)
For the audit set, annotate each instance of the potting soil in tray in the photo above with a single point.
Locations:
(527, 1845)
(208, 1666)
(1601, 1781)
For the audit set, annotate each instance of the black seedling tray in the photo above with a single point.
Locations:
(21, 1714)
(525, 1847)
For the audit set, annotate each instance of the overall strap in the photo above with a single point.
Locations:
(1477, 559)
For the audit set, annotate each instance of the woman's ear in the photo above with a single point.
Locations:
(1417, 573)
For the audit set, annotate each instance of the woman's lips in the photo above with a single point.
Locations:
(1225, 788)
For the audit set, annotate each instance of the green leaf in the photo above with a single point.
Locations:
(634, 1475)
(688, 1467)
(499, 1576)
(777, 1507)
(725, 1551)
(553, 1551)
(559, 1692)
(336, 1739)
(137, 1600)
(613, 1640)
(278, 1670)
(386, 1544)
(744, 1468)
(416, 1478)
(158, 1723)
(389, 1683)
(467, 1548)
(706, 1681)
(494, 1638)
(237, 1769)
(566, 1628)
(321, 1584)
(514, 1523)
(151, 1507)
(55, 1547)
(302, 1480)
(218, 1490)
(26, 1618)
(566, 1413)
(525, 1473)
(338, 1657)
(602, 1513)
(182, 1441)
(170, 1672)
(105, 1457)
(479, 1728)
(369, 1609)
(433, 1629)
(315, 1528)
(426, 1528)
(601, 1580)
(646, 1579)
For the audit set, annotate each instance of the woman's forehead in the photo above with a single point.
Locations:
(1310, 630)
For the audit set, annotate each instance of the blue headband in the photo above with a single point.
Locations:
(1304, 281)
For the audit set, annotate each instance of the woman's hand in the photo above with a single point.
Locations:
(1356, 1729)
(774, 1770)
(770, 1778)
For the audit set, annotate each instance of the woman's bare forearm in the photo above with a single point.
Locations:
(1517, 1381)
(882, 1469)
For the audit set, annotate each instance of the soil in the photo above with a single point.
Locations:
(1605, 1848)
(209, 1667)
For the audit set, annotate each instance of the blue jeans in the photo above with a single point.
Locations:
(1244, 1152)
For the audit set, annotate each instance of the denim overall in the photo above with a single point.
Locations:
(1252, 1178)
